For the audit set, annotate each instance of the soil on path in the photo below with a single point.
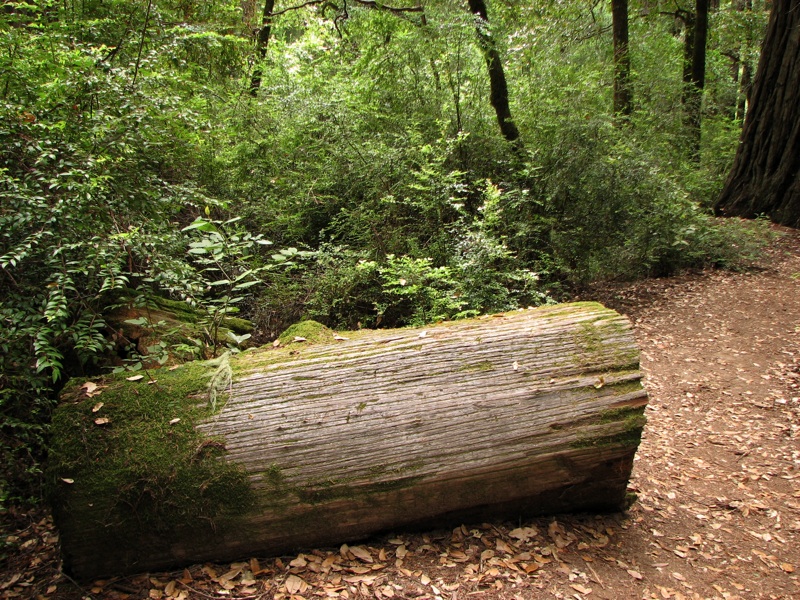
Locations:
(717, 476)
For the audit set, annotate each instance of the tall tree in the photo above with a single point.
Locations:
(765, 178)
(623, 99)
(498, 87)
(697, 77)
(262, 43)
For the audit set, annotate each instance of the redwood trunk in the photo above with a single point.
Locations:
(765, 177)
(534, 412)
(623, 99)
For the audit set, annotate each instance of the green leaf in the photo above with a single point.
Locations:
(201, 225)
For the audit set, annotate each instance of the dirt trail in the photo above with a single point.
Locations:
(717, 474)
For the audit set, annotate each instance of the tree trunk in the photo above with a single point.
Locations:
(510, 416)
(765, 178)
(262, 43)
(498, 87)
(694, 96)
(623, 99)
(688, 52)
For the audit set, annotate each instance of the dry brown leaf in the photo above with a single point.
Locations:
(102, 421)
(362, 553)
(635, 574)
(580, 589)
(401, 551)
(276, 343)
(359, 570)
(98, 406)
(457, 556)
(365, 579)
(523, 534)
(135, 377)
(230, 575)
(789, 568)
(295, 584)
(255, 567)
(299, 562)
(425, 579)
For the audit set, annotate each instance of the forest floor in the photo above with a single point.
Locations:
(717, 477)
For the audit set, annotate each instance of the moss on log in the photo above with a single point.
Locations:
(509, 416)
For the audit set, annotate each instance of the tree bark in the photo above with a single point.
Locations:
(765, 177)
(512, 416)
(623, 98)
(262, 44)
(498, 87)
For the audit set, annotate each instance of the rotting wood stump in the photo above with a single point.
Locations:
(510, 416)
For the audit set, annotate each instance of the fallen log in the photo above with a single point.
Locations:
(272, 450)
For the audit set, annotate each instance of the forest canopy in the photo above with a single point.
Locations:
(358, 163)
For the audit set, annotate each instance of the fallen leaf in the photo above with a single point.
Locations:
(135, 377)
(276, 343)
(580, 589)
(299, 562)
(68, 480)
(401, 551)
(297, 338)
(635, 574)
(294, 584)
(515, 365)
(175, 420)
(523, 534)
(97, 407)
(102, 421)
(789, 568)
(339, 338)
(362, 553)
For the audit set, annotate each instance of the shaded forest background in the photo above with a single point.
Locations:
(345, 162)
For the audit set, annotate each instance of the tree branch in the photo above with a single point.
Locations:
(368, 3)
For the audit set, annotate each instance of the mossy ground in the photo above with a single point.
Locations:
(142, 470)
(311, 332)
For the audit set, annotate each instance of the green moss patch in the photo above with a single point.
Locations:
(631, 420)
(129, 460)
(311, 332)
